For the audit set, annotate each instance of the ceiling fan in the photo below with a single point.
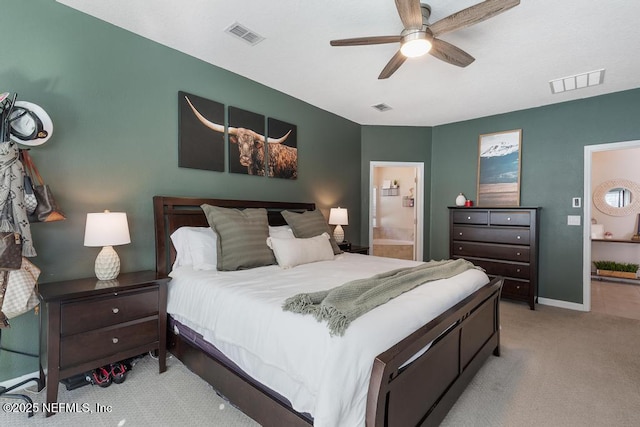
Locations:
(419, 37)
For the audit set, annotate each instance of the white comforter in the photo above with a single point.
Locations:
(241, 314)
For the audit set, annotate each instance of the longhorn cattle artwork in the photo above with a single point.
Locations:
(198, 147)
(250, 158)
(283, 157)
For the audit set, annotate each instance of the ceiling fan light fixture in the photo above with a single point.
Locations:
(415, 44)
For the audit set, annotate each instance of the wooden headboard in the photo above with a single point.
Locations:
(170, 213)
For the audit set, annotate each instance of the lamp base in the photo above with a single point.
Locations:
(107, 266)
(338, 234)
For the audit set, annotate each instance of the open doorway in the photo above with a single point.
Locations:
(619, 245)
(396, 209)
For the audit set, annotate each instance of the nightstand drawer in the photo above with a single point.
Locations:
(104, 342)
(88, 314)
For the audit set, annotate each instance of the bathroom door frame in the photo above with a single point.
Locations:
(418, 202)
(586, 227)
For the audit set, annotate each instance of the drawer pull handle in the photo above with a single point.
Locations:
(508, 218)
(468, 217)
(461, 233)
(518, 253)
(115, 310)
(517, 286)
(460, 248)
(517, 270)
(518, 237)
(115, 340)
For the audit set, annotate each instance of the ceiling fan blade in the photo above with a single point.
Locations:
(449, 53)
(410, 13)
(358, 41)
(471, 15)
(391, 67)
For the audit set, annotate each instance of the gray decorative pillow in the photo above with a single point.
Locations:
(242, 237)
(310, 224)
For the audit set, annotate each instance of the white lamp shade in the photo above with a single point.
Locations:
(338, 216)
(106, 229)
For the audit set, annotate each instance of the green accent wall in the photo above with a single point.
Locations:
(552, 173)
(113, 98)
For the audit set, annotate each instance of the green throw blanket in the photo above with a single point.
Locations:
(341, 305)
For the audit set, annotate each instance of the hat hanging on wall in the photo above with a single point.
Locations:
(30, 124)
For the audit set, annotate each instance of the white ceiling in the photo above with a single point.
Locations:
(517, 52)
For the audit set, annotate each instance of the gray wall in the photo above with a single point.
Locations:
(553, 140)
(112, 97)
(398, 144)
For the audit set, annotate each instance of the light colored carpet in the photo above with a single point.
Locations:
(558, 368)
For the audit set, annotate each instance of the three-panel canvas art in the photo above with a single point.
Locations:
(255, 145)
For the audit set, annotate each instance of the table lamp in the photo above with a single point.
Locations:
(338, 217)
(107, 229)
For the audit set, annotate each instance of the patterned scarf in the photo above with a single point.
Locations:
(13, 214)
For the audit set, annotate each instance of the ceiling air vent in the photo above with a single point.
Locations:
(578, 81)
(243, 33)
(381, 107)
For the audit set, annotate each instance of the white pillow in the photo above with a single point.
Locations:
(291, 252)
(195, 246)
(281, 232)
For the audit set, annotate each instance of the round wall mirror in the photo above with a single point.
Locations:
(617, 197)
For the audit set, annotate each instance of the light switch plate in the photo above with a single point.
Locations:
(573, 219)
(576, 202)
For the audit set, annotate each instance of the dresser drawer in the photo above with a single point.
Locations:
(515, 288)
(471, 217)
(490, 250)
(88, 314)
(516, 236)
(496, 268)
(94, 345)
(510, 218)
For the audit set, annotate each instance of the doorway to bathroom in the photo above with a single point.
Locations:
(396, 209)
(610, 227)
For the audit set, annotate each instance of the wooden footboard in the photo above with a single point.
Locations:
(422, 391)
(400, 394)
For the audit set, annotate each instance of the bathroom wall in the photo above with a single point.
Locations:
(608, 165)
(394, 220)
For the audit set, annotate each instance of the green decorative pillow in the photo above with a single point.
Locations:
(242, 237)
(310, 224)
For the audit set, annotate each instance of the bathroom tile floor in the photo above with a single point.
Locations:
(616, 299)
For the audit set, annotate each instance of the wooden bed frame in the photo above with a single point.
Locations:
(420, 393)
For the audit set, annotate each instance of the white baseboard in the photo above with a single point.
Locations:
(562, 304)
(14, 381)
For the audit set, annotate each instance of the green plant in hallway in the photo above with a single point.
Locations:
(616, 269)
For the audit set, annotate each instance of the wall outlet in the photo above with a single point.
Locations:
(573, 219)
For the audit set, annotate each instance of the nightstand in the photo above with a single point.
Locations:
(354, 249)
(88, 323)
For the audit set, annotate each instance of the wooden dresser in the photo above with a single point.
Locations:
(503, 241)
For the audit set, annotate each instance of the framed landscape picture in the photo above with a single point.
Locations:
(499, 168)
